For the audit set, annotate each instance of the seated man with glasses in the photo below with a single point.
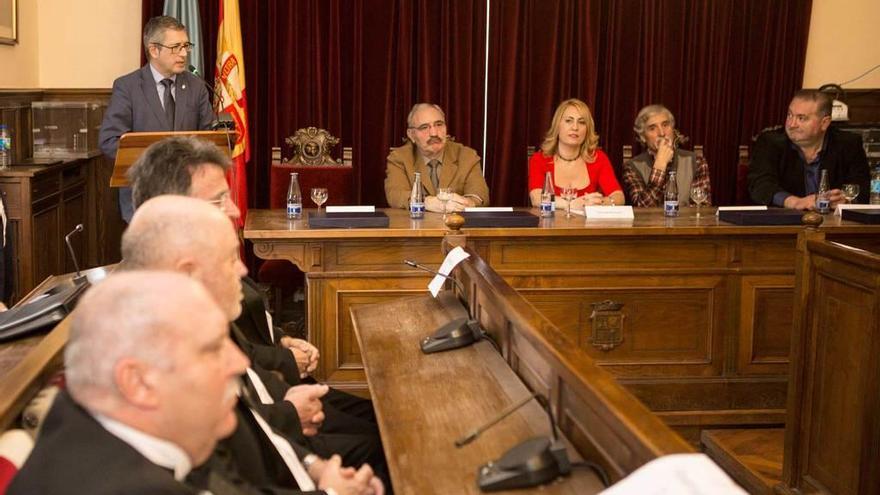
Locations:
(160, 96)
(441, 162)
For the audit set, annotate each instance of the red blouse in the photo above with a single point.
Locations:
(601, 174)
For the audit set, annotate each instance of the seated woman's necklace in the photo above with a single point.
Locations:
(568, 160)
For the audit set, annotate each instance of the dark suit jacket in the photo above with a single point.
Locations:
(135, 107)
(776, 166)
(75, 454)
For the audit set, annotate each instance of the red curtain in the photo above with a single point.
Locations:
(540, 53)
(725, 68)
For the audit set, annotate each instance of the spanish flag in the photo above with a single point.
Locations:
(229, 86)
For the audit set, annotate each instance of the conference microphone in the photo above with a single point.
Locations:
(435, 272)
(533, 462)
(79, 278)
(221, 120)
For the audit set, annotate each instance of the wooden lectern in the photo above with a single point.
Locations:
(133, 144)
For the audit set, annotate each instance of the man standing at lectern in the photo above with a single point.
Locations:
(160, 96)
(442, 163)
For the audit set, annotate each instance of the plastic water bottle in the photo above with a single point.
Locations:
(294, 197)
(875, 186)
(823, 205)
(547, 196)
(5, 146)
(417, 199)
(670, 197)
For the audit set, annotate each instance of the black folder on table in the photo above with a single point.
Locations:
(499, 219)
(862, 216)
(42, 313)
(771, 216)
(353, 220)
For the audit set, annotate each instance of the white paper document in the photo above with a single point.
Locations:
(452, 259)
(608, 212)
(488, 208)
(839, 210)
(740, 208)
(678, 474)
(351, 209)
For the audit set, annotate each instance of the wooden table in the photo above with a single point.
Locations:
(702, 308)
(424, 402)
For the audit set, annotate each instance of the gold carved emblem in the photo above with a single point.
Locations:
(607, 325)
(312, 146)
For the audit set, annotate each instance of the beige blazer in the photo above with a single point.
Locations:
(461, 171)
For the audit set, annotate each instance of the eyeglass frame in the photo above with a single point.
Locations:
(175, 49)
(438, 124)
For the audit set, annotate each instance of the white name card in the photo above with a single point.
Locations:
(842, 207)
(740, 208)
(351, 209)
(488, 208)
(609, 212)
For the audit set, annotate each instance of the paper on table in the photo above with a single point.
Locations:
(741, 208)
(452, 259)
(488, 208)
(679, 474)
(609, 212)
(839, 210)
(351, 209)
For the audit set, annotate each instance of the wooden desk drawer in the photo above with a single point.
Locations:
(44, 185)
(74, 174)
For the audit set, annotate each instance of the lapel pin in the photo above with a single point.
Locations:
(183, 86)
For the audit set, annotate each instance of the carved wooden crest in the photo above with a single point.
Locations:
(312, 146)
(607, 325)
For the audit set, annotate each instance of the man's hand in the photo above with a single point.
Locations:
(306, 354)
(836, 197)
(347, 481)
(456, 203)
(799, 203)
(663, 155)
(307, 401)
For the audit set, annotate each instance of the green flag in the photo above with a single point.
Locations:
(187, 12)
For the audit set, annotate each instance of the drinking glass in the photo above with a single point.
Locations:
(568, 194)
(319, 196)
(698, 196)
(850, 192)
(444, 194)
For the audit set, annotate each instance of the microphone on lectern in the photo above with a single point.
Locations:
(457, 333)
(533, 462)
(221, 120)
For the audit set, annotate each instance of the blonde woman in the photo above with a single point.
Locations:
(570, 153)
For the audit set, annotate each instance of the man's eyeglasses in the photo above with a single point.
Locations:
(175, 49)
(424, 127)
(221, 201)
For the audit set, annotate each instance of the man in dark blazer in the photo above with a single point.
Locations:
(160, 96)
(148, 397)
(786, 164)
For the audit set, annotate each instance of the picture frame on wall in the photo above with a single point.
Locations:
(8, 22)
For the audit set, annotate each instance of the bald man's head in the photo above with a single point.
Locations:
(152, 350)
(190, 236)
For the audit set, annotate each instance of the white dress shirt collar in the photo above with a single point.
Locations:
(158, 451)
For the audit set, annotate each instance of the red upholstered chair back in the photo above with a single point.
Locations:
(338, 179)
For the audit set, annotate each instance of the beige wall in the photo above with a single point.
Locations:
(844, 42)
(19, 62)
(88, 43)
(72, 44)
